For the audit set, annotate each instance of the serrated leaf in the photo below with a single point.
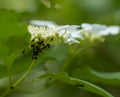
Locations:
(64, 77)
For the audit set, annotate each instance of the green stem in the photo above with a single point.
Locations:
(24, 75)
(18, 81)
(73, 57)
(6, 93)
(9, 76)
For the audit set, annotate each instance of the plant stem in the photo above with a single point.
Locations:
(19, 80)
(9, 76)
(24, 75)
(73, 57)
(6, 92)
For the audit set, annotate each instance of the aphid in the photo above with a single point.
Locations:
(33, 40)
(37, 47)
(35, 57)
(48, 45)
(37, 52)
(49, 78)
(43, 44)
(23, 51)
(32, 45)
(12, 87)
(52, 39)
(39, 39)
(79, 85)
(43, 47)
(40, 42)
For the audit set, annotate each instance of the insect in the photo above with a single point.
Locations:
(38, 47)
(23, 52)
(79, 85)
(48, 45)
(12, 87)
(40, 42)
(51, 39)
(33, 40)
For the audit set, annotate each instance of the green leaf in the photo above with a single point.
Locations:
(64, 77)
(23, 61)
(3, 71)
(13, 37)
(87, 73)
(58, 52)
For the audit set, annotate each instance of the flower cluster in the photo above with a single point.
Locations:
(97, 31)
(44, 33)
(48, 31)
(52, 33)
(101, 29)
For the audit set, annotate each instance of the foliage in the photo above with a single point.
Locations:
(88, 69)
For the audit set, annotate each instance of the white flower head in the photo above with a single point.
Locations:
(41, 31)
(47, 31)
(102, 30)
(70, 33)
(112, 30)
(41, 37)
(97, 31)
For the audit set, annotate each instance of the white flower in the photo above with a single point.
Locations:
(113, 30)
(46, 29)
(93, 28)
(41, 31)
(102, 30)
(70, 33)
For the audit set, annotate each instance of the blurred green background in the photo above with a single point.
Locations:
(67, 11)
(102, 57)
